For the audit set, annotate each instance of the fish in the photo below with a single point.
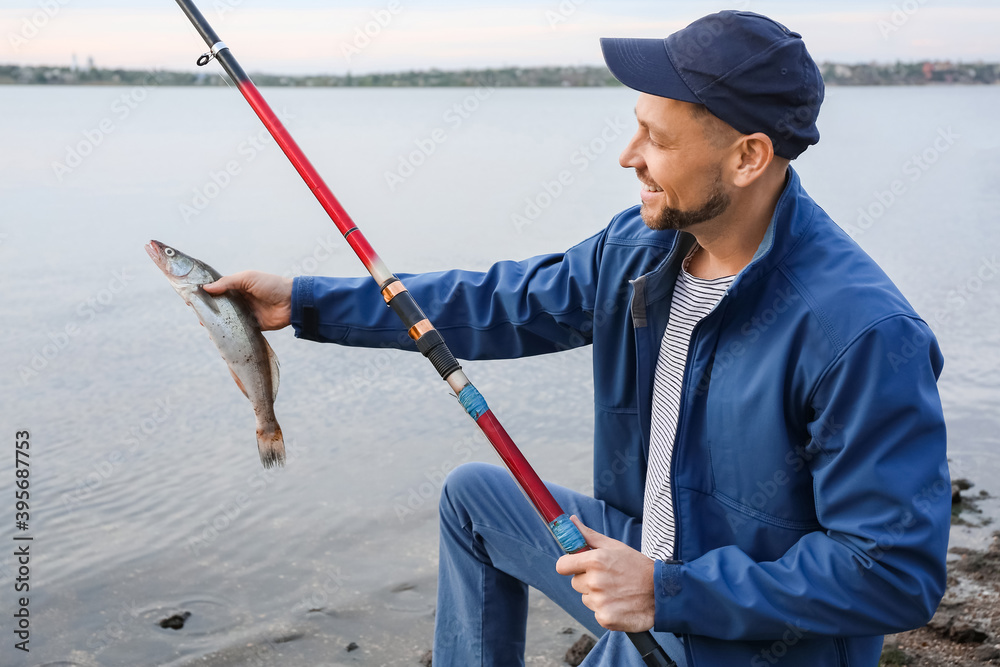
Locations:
(236, 333)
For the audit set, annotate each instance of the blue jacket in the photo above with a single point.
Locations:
(810, 477)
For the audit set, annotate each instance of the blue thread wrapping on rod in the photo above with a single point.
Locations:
(567, 534)
(472, 401)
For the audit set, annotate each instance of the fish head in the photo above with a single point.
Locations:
(180, 269)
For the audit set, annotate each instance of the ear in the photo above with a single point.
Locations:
(753, 154)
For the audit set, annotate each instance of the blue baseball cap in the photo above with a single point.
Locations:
(747, 69)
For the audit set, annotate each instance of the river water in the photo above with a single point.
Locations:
(147, 496)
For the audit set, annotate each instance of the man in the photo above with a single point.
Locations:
(770, 472)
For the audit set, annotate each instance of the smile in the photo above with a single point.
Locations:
(649, 193)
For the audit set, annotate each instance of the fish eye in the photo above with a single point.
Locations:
(169, 252)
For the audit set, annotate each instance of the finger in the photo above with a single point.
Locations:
(593, 538)
(219, 286)
(236, 281)
(590, 602)
(570, 564)
(579, 585)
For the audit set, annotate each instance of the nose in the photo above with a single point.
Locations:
(631, 158)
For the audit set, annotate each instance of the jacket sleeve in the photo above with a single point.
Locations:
(514, 309)
(883, 496)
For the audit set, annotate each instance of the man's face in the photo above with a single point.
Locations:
(679, 167)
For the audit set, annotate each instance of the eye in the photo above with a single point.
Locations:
(653, 141)
(169, 252)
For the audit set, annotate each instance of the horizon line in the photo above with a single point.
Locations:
(877, 63)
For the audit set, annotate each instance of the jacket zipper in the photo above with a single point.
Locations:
(682, 426)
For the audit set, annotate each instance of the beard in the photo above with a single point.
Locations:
(675, 219)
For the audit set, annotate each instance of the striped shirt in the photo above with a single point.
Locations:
(694, 298)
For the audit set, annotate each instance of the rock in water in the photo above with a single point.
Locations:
(963, 632)
(578, 651)
(892, 656)
(987, 653)
(175, 622)
(352, 647)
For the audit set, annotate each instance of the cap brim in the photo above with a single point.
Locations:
(643, 65)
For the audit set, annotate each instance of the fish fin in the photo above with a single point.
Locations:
(271, 445)
(273, 358)
(239, 384)
(208, 299)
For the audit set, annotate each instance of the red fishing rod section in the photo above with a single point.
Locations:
(427, 339)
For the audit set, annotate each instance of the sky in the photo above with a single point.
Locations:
(335, 37)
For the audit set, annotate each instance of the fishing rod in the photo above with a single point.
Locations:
(427, 339)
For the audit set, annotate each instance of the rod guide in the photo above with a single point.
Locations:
(213, 53)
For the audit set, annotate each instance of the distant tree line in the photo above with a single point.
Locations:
(919, 73)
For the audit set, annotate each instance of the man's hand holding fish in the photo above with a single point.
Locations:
(269, 296)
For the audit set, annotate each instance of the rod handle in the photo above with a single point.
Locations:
(429, 340)
(652, 653)
(572, 542)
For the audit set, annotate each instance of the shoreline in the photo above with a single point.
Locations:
(965, 630)
(930, 73)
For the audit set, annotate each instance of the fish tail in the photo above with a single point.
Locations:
(271, 445)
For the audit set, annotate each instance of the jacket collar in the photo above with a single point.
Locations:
(792, 217)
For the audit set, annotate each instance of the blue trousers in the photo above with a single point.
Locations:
(493, 546)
